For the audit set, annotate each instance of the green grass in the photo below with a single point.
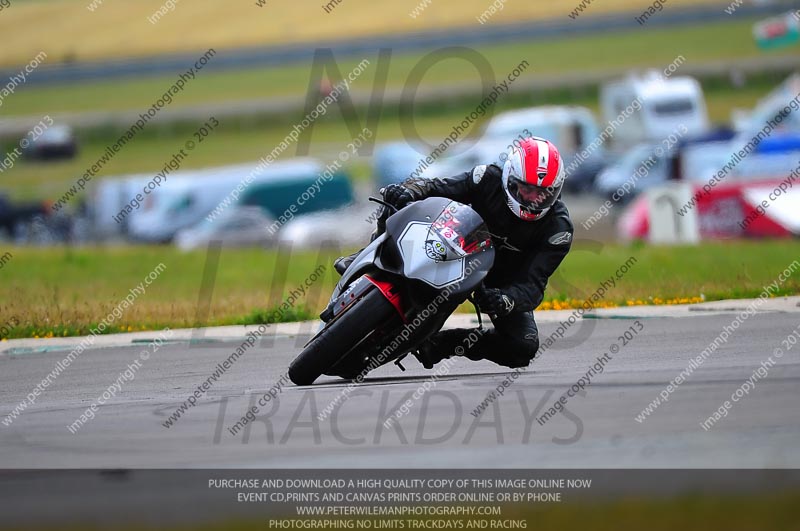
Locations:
(713, 270)
(118, 30)
(630, 49)
(68, 291)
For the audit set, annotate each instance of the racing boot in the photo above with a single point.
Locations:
(441, 346)
(429, 354)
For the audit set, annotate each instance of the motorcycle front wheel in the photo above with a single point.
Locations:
(340, 336)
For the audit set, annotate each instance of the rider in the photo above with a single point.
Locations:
(532, 233)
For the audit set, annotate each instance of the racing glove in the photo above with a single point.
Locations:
(398, 195)
(494, 302)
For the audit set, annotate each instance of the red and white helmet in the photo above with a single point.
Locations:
(533, 176)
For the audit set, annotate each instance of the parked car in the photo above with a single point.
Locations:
(640, 166)
(697, 160)
(13, 215)
(55, 143)
(343, 228)
(238, 226)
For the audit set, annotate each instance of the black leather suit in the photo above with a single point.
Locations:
(527, 254)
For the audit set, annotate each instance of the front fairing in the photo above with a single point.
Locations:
(440, 242)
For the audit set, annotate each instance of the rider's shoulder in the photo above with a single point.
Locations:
(560, 218)
(485, 172)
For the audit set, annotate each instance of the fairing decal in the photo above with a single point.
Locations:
(391, 294)
(426, 259)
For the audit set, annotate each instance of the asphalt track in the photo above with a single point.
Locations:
(597, 430)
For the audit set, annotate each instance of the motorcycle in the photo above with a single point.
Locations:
(427, 259)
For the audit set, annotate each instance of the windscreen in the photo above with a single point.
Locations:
(457, 232)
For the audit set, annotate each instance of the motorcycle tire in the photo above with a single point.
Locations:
(339, 337)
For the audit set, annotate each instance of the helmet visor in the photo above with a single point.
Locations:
(533, 198)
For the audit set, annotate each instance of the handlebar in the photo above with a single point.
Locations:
(382, 202)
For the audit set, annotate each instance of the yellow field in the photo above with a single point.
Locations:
(68, 30)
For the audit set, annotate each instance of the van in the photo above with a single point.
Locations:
(661, 106)
(189, 196)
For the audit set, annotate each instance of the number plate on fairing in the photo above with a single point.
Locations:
(426, 257)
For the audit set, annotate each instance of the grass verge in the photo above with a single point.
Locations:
(727, 40)
(79, 31)
(64, 292)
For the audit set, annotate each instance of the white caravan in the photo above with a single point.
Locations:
(655, 107)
